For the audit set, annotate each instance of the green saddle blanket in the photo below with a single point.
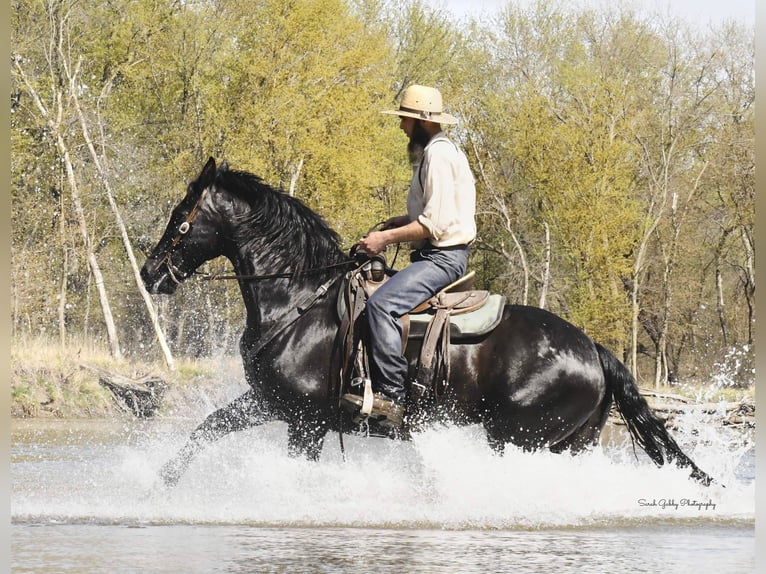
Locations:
(464, 325)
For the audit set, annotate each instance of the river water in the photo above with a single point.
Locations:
(84, 498)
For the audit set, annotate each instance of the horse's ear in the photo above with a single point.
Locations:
(224, 166)
(207, 176)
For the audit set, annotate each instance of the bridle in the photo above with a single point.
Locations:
(183, 229)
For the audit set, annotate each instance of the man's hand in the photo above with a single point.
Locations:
(376, 241)
(395, 230)
(373, 243)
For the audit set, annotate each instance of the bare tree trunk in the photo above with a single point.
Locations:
(721, 303)
(212, 324)
(635, 305)
(227, 334)
(547, 269)
(64, 271)
(661, 364)
(522, 256)
(658, 202)
(62, 298)
(660, 360)
(86, 318)
(101, 167)
(749, 284)
(95, 268)
(720, 299)
(19, 314)
(54, 125)
(181, 333)
(667, 287)
(296, 173)
(502, 209)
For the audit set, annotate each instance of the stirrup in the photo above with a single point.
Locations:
(375, 405)
(359, 405)
(367, 394)
(393, 414)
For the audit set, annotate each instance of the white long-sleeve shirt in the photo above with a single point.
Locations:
(442, 195)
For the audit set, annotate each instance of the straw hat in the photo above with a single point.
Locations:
(423, 103)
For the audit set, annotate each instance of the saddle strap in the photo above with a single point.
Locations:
(405, 320)
(368, 399)
(356, 302)
(434, 354)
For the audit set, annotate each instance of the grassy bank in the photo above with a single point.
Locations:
(50, 381)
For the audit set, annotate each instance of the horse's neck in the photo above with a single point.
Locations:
(268, 300)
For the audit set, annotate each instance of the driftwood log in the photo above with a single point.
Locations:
(141, 396)
(668, 406)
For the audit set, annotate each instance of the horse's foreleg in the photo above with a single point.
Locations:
(306, 437)
(240, 414)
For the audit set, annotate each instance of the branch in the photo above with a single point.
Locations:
(32, 92)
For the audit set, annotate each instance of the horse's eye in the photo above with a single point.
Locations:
(184, 228)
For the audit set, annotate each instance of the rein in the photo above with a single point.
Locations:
(294, 312)
(285, 275)
(288, 275)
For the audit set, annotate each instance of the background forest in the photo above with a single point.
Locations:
(613, 153)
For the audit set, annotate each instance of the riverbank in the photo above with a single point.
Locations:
(50, 381)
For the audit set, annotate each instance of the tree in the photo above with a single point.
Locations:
(53, 115)
(679, 160)
(599, 139)
(554, 142)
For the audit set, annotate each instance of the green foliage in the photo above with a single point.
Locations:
(599, 140)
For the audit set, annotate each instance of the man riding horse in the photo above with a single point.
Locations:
(531, 378)
(439, 224)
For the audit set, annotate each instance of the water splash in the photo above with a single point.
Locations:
(736, 370)
(447, 477)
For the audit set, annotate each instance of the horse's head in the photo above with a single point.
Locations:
(191, 237)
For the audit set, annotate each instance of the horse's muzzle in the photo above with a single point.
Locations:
(158, 278)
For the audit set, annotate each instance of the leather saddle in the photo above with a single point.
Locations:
(455, 312)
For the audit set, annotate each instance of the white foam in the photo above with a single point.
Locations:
(446, 477)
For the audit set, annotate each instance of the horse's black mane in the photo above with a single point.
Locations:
(286, 234)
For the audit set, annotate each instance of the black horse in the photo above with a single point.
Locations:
(535, 381)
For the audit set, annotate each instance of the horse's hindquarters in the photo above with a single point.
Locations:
(534, 381)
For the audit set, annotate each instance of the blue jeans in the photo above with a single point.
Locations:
(431, 269)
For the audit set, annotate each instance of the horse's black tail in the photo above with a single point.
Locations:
(645, 427)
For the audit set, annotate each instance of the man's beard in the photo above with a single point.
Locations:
(418, 141)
